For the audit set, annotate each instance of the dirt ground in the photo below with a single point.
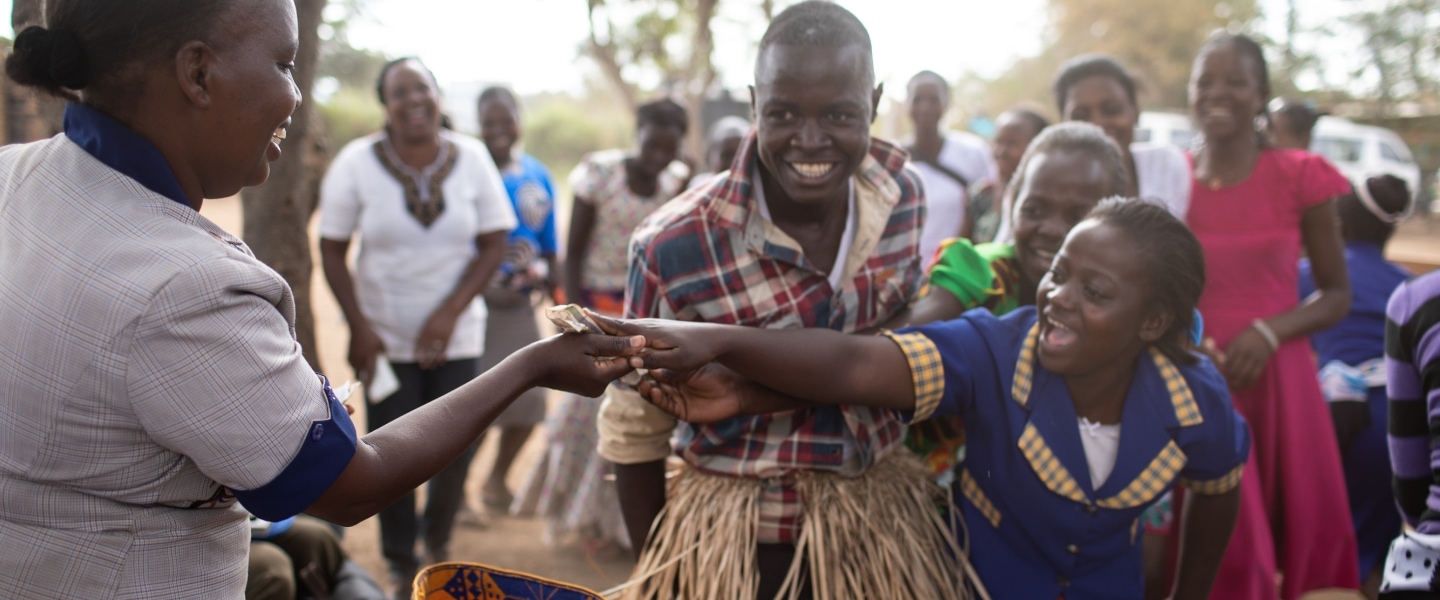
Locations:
(507, 542)
(514, 543)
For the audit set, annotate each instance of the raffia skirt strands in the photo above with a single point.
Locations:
(880, 535)
(510, 327)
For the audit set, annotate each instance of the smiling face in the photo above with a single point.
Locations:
(499, 129)
(1226, 92)
(1102, 101)
(813, 107)
(1057, 190)
(412, 102)
(1095, 306)
(253, 92)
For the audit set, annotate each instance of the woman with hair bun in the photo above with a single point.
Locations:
(150, 380)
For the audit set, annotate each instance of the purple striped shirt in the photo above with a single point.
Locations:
(1412, 362)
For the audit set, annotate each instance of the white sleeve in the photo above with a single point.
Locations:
(1163, 175)
(493, 210)
(340, 194)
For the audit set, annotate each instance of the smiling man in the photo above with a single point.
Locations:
(815, 225)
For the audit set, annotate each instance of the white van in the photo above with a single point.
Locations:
(1362, 150)
(1165, 128)
(1357, 150)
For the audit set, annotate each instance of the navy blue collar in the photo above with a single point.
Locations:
(120, 148)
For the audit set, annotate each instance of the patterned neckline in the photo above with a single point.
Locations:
(424, 195)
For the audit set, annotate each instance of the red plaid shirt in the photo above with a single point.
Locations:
(710, 256)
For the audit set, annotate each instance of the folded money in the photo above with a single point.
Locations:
(570, 318)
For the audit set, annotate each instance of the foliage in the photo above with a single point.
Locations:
(1402, 43)
(1155, 39)
(560, 129)
(350, 113)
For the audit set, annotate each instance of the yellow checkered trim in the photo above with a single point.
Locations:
(927, 371)
(1051, 472)
(1025, 367)
(1186, 410)
(977, 497)
(1154, 480)
(1215, 487)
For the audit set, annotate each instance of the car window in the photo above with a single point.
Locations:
(1337, 149)
(1181, 138)
(1389, 153)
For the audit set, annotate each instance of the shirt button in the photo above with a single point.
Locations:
(1062, 582)
(1073, 549)
(1090, 509)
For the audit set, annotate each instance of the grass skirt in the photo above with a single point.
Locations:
(880, 535)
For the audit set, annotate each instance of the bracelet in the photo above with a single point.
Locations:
(1267, 333)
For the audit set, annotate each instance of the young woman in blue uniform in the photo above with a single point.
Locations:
(1079, 412)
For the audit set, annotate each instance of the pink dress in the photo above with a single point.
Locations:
(1294, 517)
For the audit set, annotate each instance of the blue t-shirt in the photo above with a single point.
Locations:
(532, 195)
(1037, 528)
(1360, 336)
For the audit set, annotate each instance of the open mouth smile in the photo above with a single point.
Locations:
(812, 170)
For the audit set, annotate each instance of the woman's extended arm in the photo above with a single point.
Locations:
(365, 345)
(393, 460)
(1204, 533)
(435, 335)
(819, 365)
(577, 244)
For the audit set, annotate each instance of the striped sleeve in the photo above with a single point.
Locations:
(1412, 362)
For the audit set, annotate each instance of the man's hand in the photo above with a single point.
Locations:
(709, 394)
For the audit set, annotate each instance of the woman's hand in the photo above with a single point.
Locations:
(365, 345)
(709, 394)
(1245, 359)
(581, 363)
(675, 345)
(434, 338)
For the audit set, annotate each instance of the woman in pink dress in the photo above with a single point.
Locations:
(1254, 208)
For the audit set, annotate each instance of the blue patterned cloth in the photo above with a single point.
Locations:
(472, 581)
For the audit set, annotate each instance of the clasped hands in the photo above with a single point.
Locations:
(681, 377)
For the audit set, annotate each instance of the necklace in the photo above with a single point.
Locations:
(1214, 183)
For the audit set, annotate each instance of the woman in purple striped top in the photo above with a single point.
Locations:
(1412, 362)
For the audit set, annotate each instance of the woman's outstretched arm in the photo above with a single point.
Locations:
(817, 365)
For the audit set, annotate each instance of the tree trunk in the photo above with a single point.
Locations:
(700, 75)
(277, 213)
(604, 54)
(29, 116)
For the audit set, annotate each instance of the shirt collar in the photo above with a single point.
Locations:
(874, 189)
(122, 149)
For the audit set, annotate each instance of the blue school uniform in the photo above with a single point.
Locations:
(1037, 529)
(1356, 340)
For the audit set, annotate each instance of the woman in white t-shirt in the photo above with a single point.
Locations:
(1097, 89)
(432, 214)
